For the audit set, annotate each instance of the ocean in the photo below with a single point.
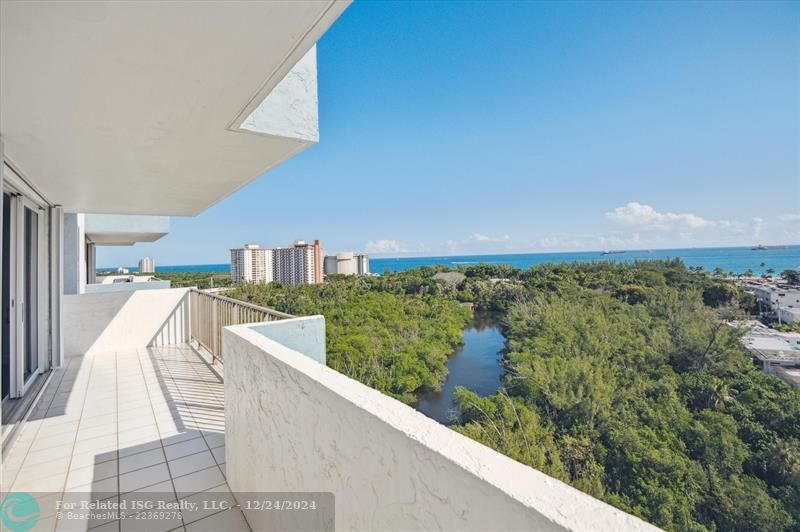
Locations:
(736, 260)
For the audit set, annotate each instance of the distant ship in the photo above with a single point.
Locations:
(765, 248)
(613, 252)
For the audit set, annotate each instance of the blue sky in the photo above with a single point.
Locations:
(486, 127)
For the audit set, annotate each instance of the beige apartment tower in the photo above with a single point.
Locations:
(299, 264)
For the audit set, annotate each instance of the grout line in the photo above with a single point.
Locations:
(80, 418)
(219, 380)
(116, 383)
(182, 359)
(152, 409)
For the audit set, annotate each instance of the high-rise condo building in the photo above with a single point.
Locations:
(299, 264)
(147, 265)
(252, 264)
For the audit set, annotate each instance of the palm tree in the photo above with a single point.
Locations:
(720, 395)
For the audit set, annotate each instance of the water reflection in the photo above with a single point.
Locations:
(476, 365)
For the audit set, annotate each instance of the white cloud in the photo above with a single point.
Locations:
(638, 214)
(549, 242)
(480, 237)
(757, 224)
(384, 246)
(790, 217)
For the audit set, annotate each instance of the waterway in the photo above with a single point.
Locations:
(476, 365)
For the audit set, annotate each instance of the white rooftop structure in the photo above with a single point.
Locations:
(773, 346)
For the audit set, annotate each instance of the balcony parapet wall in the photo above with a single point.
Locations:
(116, 321)
(295, 425)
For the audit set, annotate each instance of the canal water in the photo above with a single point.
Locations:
(476, 365)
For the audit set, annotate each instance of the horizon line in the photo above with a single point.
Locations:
(381, 256)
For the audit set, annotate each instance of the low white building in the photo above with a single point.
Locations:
(347, 263)
(782, 300)
(772, 347)
(788, 315)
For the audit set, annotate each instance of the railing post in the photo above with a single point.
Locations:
(214, 334)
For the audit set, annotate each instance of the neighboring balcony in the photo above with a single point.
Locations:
(128, 286)
(84, 232)
(142, 408)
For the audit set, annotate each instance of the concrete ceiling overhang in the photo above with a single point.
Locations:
(122, 239)
(124, 229)
(156, 107)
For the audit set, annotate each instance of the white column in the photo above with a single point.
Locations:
(56, 286)
(74, 253)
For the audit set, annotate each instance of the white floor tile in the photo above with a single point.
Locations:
(143, 477)
(185, 448)
(190, 464)
(141, 460)
(198, 481)
(230, 521)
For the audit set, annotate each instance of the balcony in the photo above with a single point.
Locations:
(134, 424)
(138, 412)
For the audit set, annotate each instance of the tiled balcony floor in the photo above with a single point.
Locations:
(120, 425)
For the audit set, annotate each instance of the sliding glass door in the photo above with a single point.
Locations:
(7, 269)
(30, 291)
(23, 272)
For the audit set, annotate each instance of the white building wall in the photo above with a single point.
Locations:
(786, 298)
(125, 320)
(347, 263)
(329, 265)
(789, 315)
(74, 253)
(363, 264)
(294, 425)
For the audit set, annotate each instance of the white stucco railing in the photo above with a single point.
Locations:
(295, 425)
(104, 288)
